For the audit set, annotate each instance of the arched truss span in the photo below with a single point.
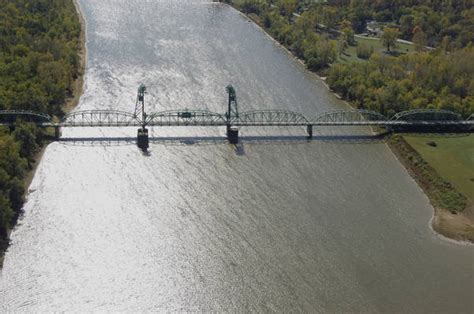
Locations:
(100, 118)
(270, 117)
(471, 118)
(10, 116)
(185, 117)
(348, 116)
(427, 115)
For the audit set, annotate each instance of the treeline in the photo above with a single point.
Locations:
(39, 61)
(297, 34)
(387, 84)
(449, 20)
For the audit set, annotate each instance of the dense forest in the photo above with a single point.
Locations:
(39, 61)
(319, 32)
(437, 20)
(421, 80)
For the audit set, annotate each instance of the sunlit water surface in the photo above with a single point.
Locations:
(276, 223)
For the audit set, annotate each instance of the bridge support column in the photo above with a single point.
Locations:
(309, 129)
(57, 132)
(232, 135)
(142, 139)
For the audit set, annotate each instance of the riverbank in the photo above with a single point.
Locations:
(78, 85)
(453, 221)
(69, 104)
(453, 213)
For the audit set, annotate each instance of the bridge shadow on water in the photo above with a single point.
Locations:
(267, 139)
(243, 140)
(217, 140)
(221, 140)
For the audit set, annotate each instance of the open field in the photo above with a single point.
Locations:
(350, 54)
(452, 158)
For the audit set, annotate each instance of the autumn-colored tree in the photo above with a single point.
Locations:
(420, 40)
(38, 61)
(389, 37)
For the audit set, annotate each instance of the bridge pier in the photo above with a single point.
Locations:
(57, 132)
(232, 135)
(142, 139)
(309, 129)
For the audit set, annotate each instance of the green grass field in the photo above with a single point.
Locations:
(452, 158)
(350, 54)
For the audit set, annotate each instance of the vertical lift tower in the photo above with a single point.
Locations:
(142, 135)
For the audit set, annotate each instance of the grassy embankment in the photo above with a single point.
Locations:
(444, 172)
(444, 168)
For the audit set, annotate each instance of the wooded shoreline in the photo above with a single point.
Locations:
(69, 104)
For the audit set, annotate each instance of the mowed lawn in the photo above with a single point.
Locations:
(351, 51)
(452, 158)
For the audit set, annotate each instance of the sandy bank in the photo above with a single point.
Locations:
(457, 226)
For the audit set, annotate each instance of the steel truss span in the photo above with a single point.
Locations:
(114, 118)
(186, 118)
(426, 119)
(348, 116)
(99, 118)
(270, 118)
(10, 116)
(427, 115)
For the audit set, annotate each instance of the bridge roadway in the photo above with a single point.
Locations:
(412, 120)
(387, 123)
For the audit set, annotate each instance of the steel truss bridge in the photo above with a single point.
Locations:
(411, 120)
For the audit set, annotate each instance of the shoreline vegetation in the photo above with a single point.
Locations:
(65, 56)
(453, 215)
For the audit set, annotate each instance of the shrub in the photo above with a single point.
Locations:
(364, 51)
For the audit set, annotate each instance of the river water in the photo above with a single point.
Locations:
(276, 223)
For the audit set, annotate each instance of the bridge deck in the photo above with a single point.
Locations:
(257, 124)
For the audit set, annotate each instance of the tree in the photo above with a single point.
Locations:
(348, 33)
(341, 46)
(25, 134)
(364, 51)
(287, 7)
(358, 16)
(445, 44)
(420, 40)
(406, 26)
(389, 37)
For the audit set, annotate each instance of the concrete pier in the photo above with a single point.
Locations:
(309, 129)
(57, 132)
(232, 135)
(142, 139)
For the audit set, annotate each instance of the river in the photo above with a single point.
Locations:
(275, 224)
